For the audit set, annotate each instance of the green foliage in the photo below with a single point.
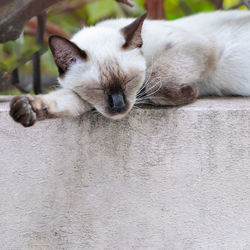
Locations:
(100, 9)
(14, 54)
(67, 21)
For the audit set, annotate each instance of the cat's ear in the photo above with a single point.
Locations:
(65, 52)
(132, 33)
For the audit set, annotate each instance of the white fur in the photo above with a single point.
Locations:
(100, 44)
(64, 102)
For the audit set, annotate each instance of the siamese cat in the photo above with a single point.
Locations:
(118, 63)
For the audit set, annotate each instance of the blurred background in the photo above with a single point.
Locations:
(20, 63)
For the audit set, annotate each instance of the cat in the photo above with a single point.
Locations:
(117, 63)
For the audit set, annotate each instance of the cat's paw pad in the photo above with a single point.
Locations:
(22, 112)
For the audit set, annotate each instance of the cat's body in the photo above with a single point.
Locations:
(220, 40)
(204, 54)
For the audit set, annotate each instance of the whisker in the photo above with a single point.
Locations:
(152, 98)
(156, 82)
(142, 103)
(147, 103)
(155, 91)
(137, 107)
(146, 92)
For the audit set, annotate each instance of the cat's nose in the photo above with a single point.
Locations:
(117, 102)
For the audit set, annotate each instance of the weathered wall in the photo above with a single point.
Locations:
(160, 179)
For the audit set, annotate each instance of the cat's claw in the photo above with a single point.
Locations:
(22, 112)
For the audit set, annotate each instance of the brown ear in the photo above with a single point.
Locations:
(132, 33)
(65, 52)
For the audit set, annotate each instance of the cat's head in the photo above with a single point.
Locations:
(104, 66)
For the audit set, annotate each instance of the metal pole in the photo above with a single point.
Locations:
(41, 24)
(15, 77)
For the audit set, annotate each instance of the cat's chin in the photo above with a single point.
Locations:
(117, 116)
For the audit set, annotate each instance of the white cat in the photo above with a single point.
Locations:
(113, 65)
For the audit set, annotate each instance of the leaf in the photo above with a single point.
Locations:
(98, 10)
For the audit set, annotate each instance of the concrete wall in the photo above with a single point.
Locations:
(160, 179)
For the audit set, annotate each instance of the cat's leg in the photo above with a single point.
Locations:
(173, 79)
(28, 109)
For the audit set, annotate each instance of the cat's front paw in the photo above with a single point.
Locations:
(21, 110)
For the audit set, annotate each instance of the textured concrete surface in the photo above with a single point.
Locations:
(160, 179)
